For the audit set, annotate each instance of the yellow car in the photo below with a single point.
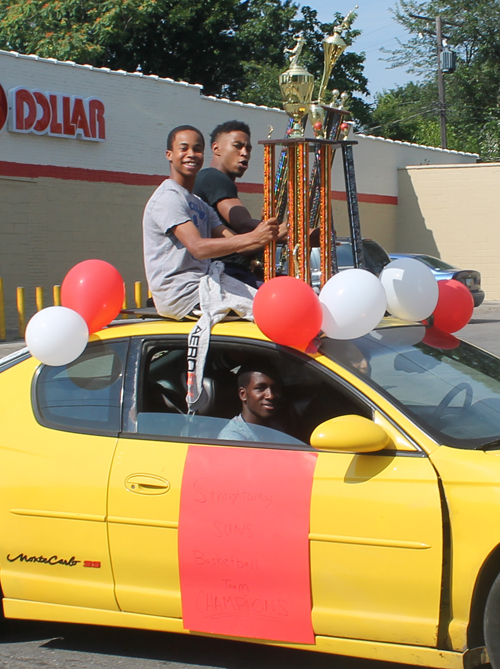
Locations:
(362, 520)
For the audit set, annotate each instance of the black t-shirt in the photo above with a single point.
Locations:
(213, 186)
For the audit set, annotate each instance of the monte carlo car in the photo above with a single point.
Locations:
(371, 528)
(443, 270)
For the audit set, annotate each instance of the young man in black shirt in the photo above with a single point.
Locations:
(231, 150)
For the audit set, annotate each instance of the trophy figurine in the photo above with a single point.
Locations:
(296, 86)
(333, 47)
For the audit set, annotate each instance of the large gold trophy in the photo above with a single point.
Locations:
(297, 86)
(306, 193)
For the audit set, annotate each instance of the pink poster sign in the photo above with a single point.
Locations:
(244, 543)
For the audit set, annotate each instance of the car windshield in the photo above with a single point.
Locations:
(435, 263)
(375, 255)
(450, 388)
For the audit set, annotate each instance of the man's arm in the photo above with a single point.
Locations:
(236, 215)
(223, 240)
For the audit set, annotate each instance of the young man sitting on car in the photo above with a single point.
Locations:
(182, 233)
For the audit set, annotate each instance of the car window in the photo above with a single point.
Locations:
(85, 395)
(345, 257)
(451, 391)
(435, 263)
(376, 257)
(308, 397)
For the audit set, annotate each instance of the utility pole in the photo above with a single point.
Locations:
(441, 89)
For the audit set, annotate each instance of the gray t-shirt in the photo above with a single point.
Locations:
(173, 274)
(239, 430)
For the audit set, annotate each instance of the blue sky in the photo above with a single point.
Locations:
(378, 29)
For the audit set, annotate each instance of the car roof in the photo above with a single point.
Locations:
(138, 325)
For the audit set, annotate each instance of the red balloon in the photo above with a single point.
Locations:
(288, 311)
(95, 290)
(439, 339)
(454, 308)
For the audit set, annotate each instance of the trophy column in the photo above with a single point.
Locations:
(299, 199)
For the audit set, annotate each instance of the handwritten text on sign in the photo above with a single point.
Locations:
(243, 543)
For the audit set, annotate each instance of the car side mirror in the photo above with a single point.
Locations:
(350, 434)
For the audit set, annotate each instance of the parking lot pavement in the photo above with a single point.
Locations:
(484, 327)
(483, 330)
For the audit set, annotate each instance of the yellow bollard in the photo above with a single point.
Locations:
(137, 294)
(3, 329)
(125, 303)
(21, 310)
(149, 294)
(39, 298)
(56, 295)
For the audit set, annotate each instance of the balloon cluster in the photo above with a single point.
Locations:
(354, 301)
(92, 295)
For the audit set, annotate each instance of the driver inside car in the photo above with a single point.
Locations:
(260, 390)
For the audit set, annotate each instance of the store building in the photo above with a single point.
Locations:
(82, 149)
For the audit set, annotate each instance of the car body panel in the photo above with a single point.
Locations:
(143, 527)
(54, 494)
(471, 483)
(376, 576)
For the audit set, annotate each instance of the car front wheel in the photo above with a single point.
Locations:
(492, 624)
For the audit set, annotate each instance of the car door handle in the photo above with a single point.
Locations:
(147, 484)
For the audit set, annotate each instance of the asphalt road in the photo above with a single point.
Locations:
(34, 645)
(31, 645)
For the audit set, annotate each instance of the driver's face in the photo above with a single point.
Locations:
(261, 398)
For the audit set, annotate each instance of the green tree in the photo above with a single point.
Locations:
(472, 91)
(234, 48)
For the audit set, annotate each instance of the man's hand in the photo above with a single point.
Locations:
(282, 232)
(266, 231)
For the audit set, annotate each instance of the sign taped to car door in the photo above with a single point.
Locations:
(244, 543)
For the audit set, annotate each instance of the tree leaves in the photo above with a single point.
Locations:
(472, 92)
(234, 48)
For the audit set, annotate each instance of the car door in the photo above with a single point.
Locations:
(59, 432)
(374, 531)
(377, 545)
(144, 490)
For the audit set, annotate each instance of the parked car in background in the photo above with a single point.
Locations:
(443, 270)
(376, 258)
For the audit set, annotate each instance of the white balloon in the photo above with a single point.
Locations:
(411, 288)
(56, 335)
(353, 303)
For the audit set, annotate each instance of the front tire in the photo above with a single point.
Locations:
(492, 624)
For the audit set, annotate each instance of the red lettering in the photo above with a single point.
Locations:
(68, 127)
(43, 120)
(96, 118)
(55, 125)
(4, 108)
(79, 118)
(25, 110)
(58, 114)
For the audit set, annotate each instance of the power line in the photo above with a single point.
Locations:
(402, 120)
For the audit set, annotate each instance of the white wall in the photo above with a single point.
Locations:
(140, 110)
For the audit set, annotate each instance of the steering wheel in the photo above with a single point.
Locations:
(466, 387)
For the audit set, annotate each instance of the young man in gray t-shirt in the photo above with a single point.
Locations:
(181, 233)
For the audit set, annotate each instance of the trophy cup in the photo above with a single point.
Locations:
(307, 195)
(296, 86)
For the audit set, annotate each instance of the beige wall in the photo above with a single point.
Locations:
(452, 212)
(49, 225)
(378, 221)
